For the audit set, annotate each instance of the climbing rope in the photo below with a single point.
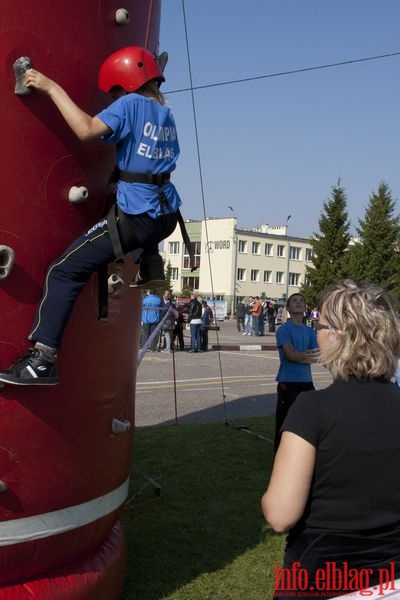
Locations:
(203, 203)
(154, 333)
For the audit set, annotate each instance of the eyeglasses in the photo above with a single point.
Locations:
(320, 326)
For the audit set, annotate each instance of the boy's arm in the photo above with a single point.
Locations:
(82, 124)
(307, 357)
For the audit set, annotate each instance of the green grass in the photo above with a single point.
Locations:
(204, 536)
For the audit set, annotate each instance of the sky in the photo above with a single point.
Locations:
(276, 146)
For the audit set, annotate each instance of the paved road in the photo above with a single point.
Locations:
(211, 386)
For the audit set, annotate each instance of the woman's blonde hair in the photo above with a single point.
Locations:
(364, 339)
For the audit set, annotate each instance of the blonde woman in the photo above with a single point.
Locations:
(335, 483)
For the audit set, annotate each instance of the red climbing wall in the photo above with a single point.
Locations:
(63, 472)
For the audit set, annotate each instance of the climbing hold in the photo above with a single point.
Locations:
(3, 486)
(7, 256)
(20, 67)
(114, 283)
(78, 194)
(122, 16)
(119, 427)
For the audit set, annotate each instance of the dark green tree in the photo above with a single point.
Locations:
(329, 247)
(159, 290)
(185, 293)
(168, 276)
(376, 258)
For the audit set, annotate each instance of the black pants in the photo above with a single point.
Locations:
(178, 333)
(287, 394)
(68, 274)
(204, 337)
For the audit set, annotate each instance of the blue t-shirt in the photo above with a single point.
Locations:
(145, 135)
(302, 338)
(150, 314)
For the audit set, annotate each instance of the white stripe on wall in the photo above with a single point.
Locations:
(46, 525)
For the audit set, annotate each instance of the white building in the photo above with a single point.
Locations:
(235, 263)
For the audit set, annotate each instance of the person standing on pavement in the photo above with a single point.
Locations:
(248, 318)
(240, 314)
(151, 306)
(314, 317)
(169, 323)
(178, 329)
(195, 310)
(271, 313)
(257, 315)
(298, 349)
(206, 320)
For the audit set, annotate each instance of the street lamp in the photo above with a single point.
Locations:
(288, 252)
(235, 250)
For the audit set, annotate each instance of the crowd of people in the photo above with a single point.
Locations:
(253, 316)
(175, 315)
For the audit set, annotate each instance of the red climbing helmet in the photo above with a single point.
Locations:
(129, 68)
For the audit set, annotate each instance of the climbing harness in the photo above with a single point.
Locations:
(115, 215)
(158, 179)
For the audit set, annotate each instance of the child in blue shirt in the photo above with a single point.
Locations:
(298, 348)
(143, 130)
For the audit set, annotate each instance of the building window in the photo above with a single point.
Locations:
(309, 254)
(255, 248)
(174, 247)
(241, 274)
(186, 258)
(267, 276)
(307, 280)
(242, 247)
(279, 276)
(294, 279)
(295, 253)
(280, 251)
(255, 275)
(174, 274)
(190, 283)
(268, 250)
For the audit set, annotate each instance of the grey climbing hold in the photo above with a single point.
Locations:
(122, 16)
(7, 257)
(114, 283)
(21, 66)
(3, 486)
(119, 427)
(76, 194)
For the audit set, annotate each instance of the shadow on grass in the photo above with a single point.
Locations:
(182, 543)
(259, 405)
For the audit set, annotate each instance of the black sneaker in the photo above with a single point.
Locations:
(151, 273)
(34, 368)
